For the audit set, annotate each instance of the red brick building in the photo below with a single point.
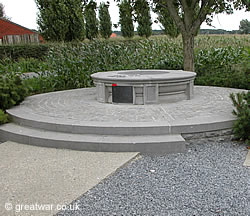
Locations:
(10, 28)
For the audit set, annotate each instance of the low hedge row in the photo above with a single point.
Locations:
(15, 52)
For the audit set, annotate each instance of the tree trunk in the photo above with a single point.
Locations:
(188, 48)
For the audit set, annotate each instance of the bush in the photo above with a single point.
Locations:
(3, 117)
(225, 67)
(15, 52)
(22, 65)
(12, 91)
(70, 65)
(241, 127)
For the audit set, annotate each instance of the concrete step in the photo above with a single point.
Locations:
(102, 128)
(93, 142)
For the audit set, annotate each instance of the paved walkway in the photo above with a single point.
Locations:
(32, 175)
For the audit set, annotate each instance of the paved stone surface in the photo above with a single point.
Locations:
(77, 112)
(80, 105)
(32, 175)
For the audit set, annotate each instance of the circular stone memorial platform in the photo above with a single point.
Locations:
(144, 86)
(74, 119)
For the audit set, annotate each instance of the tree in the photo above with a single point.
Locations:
(91, 20)
(143, 18)
(2, 14)
(244, 27)
(126, 21)
(167, 22)
(105, 21)
(188, 15)
(76, 30)
(61, 20)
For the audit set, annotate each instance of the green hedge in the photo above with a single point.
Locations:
(224, 67)
(71, 64)
(12, 91)
(15, 52)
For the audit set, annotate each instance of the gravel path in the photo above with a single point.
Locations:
(208, 180)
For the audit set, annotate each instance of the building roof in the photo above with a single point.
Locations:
(8, 27)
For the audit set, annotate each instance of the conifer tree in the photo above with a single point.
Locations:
(105, 21)
(126, 21)
(91, 20)
(61, 20)
(143, 18)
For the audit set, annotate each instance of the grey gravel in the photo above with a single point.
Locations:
(209, 179)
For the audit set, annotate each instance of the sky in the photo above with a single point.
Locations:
(24, 12)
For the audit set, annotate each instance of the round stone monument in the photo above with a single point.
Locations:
(144, 86)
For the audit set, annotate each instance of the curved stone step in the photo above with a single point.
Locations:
(93, 142)
(180, 126)
(101, 128)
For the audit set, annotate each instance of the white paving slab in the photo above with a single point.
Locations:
(45, 177)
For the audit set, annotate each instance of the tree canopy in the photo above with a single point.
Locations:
(61, 20)
(168, 25)
(143, 18)
(244, 27)
(126, 21)
(188, 15)
(91, 20)
(105, 20)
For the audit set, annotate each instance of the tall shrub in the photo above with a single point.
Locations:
(61, 20)
(91, 20)
(143, 18)
(105, 21)
(126, 21)
(241, 127)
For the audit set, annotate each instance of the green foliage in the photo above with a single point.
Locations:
(12, 90)
(221, 61)
(22, 65)
(2, 14)
(189, 15)
(143, 18)
(105, 21)
(68, 69)
(168, 25)
(3, 117)
(16, 52)
(241, 128)
(91, 20)
(70, 65)
(225, 67)
(244, 27)
(126, 21)
(61, 20)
